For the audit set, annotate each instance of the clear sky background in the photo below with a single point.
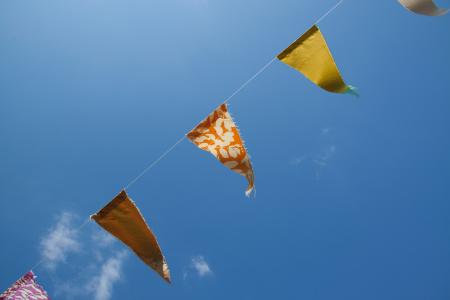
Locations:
(353, 194)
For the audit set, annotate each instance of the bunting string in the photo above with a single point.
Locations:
(328, 12)
(227, 100)
(154, 163)
(171, 148)
(219, 135)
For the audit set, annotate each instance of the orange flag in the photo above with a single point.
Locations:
(219, 135)
(122, 219)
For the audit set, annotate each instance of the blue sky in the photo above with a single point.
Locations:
(353, 194)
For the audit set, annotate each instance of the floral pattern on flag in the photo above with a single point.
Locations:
(26, 288)
(219, 135)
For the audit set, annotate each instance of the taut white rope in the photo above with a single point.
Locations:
(329, 12)
(237, 91)
(155, 162)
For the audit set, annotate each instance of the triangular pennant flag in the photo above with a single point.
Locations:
(423, 7)
(219, 135)
(311, 56)
(26, 288)
(122, 219)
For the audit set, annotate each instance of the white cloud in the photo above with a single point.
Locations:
(325, 156)
(322, 160)
(95, 280)
(102, 264)
(61, 240)
(111, 271)
(298, 160)
(201, 266)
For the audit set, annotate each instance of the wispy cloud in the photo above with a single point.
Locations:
(320, 158)
(298, 160)
(101, 269)
(197, 266)
(95, 280)
(111, 271)
(102, 264)
(61, 240)
(323, 158)
(201, 266)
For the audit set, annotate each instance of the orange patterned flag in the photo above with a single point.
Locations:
(122, 219)
(219, 135)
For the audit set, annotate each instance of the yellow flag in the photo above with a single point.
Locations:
(311, 56)
(122, 219)
(219, 135)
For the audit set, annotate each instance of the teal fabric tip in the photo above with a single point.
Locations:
(351, 90)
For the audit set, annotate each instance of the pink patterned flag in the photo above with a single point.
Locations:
(26, 288)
